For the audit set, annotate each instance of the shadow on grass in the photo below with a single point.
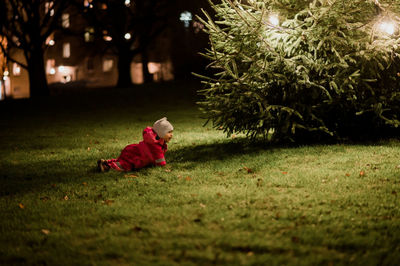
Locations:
(216, 151)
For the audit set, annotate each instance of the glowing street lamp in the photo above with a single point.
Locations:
(127, 36)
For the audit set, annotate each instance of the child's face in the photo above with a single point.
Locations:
(168, 136)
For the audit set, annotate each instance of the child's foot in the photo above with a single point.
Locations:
(102, 165)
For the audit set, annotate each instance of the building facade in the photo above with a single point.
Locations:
(78, 60)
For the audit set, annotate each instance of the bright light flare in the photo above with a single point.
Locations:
(387, 27)
(274, 20)
(128, 36)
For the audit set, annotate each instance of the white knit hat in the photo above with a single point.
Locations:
(162, 127)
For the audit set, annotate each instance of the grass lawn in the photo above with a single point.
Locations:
(218, 201)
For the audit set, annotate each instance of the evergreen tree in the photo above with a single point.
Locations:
(304, 69)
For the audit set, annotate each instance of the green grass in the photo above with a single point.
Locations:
(218, 201)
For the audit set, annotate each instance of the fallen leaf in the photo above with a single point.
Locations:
(88, 148)
(247, 169)
(84, 183)
(66, 197)
(44, 198)
(188, 178)
(202, 205)
(233, 136)
(250, 253)
(284, 173)
(397, 166)
(130, 175)
(108, 202)
(21, 206)
(168, 170)
(219, 194)
(347, 174)
(45, 231)
(362, 173)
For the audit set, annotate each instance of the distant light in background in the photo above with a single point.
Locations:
(198, 26)
(61, 69)
(274, 20)
(387, 27)
(52, 71)
(186, 17)
(127, 3)
(107, 38)
(127, 36)
(51, 42)
(87, 3)
(16, 69)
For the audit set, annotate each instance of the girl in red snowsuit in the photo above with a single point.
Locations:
(150, 151)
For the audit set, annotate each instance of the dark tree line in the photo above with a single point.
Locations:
(28, 23)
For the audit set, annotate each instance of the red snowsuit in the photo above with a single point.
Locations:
(150, 151)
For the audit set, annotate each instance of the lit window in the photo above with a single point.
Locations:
(16, 69)
(186, 17)
(50, 66)
(66, 50)
(48, 8)
(89, 34)
(107, 65)
(65, 20)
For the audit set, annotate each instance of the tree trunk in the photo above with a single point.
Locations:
(147, 77)
(124, 70)
(37, 74)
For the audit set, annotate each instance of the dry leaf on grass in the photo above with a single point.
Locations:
(248, 169)
(108, 202)
(21, 206)
(45, 231)
(130, 175)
